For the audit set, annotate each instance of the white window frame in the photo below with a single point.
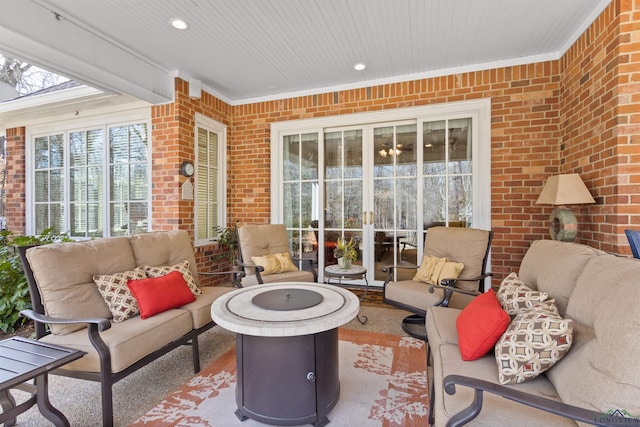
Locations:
(214, 126)
(480, 108)
(105, 120)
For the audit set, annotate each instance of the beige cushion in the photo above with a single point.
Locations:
(534, 341)
(553, 267)
(162, 248)
(128, 341)
(182, 267)
(515, 296)
(116, 293)
(64, 275)
(290, 276)
(467, 246)
(604, 305)
(200, 309)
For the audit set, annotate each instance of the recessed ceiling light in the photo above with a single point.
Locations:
(359, 66)
(179, 23)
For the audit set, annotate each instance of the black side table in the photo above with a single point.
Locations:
(23, 359)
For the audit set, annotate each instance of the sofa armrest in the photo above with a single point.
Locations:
(100, 323)
(544, 404)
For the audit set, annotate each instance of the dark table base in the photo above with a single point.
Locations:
(287, 380)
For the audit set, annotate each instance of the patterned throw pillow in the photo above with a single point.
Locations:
(534, 341)
(182, 267)
(116, 294)
(515, 296)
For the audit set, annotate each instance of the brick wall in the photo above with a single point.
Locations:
(15, 184)
(525, 103)
(174, 142)
(578, 114)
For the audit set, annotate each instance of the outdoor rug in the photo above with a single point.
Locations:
(383, 383)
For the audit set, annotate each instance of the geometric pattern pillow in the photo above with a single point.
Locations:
(182, 267)
(534, 341)
(116, 294)
(515, 296)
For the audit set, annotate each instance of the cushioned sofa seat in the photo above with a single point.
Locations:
(200, 309)
(128, 341)
(601, 294)
(443, 339)
(81, 289)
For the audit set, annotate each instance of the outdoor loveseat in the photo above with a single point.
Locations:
(77, 291)
(598, 379)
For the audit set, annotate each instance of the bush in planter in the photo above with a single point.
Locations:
(14, 291)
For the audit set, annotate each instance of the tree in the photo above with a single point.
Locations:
(26, 78)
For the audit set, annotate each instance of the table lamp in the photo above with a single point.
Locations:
(560, 191)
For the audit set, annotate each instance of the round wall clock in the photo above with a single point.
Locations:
(187, 169)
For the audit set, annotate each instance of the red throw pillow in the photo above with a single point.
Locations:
(158, 294)
(480, 325)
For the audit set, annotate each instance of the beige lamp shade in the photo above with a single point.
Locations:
(562, 190)
(566, 189)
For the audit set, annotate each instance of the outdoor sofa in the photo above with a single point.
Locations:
(598, 379)
(77, 291)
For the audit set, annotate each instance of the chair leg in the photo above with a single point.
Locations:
(107, 402)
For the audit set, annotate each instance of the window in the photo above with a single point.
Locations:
(210, 182)
(92, 182)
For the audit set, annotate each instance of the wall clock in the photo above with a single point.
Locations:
(187, 169)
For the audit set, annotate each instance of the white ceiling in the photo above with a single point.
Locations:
(252, 50)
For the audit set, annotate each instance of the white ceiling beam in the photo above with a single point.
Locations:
(41, 36)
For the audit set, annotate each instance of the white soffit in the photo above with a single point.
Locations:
(254, 50)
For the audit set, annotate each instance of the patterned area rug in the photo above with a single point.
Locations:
(383, 383)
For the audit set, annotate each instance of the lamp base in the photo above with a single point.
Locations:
(564, 225)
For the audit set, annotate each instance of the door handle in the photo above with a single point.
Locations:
(371, 217)
(364, 217)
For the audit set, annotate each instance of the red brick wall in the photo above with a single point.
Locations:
(525, 142)
(579, 114)
(598, 126)
(15, 184)
(174, 142)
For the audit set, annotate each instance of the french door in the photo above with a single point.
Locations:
(381, 183)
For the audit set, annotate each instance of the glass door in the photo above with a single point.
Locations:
(393, 200)
(343, 213)
(381, 179)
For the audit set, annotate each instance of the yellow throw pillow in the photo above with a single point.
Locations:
(270, 263)
(286, 264)
(429, 263)
(449, 270)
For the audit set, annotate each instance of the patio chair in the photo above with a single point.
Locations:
(446, 250)
(264, 254)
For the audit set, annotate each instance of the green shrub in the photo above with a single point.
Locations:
(14, 291)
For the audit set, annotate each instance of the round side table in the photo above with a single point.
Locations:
(352, 273)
